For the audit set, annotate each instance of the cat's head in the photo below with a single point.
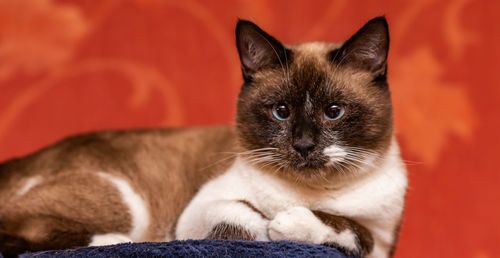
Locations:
(315, 109)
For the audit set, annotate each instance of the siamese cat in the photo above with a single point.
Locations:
(312, 158)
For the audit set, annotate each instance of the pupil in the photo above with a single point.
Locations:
(283, 111)
(333, 112)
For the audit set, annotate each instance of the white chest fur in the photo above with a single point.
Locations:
(375, 200)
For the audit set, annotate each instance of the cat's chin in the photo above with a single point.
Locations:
(310, 177)
(309, 165)
(313, 175)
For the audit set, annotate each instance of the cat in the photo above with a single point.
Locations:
(312, 158)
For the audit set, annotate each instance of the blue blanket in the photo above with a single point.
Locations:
(199, 248)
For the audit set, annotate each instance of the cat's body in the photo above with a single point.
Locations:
(132, 183)
(313, 158)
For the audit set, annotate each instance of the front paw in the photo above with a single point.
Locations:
(297, 224)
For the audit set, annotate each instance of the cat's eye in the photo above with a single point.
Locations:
(334, 112)
(281, 112)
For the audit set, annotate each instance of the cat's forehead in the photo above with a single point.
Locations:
(312, 64)
(313, 51)
(310, 69)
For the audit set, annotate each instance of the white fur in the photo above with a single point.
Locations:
(199, 219)
(28, 185)
(308, 105)
(375, 200)
(335, 153)
(109, 239)
(300, 224)
(136, 205)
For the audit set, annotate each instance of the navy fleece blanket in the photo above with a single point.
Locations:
(199, 248)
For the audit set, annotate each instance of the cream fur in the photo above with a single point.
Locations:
(136, 205)
(109, 239)
(29, 184)
(300, 224)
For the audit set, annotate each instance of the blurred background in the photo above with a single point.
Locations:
(68, 67)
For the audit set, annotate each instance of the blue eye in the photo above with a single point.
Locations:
(281, 112)
(334, 112)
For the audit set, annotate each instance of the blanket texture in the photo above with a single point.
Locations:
(198, 248)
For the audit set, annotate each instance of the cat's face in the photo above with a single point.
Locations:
(314, 109)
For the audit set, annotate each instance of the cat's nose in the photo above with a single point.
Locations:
(304, 146)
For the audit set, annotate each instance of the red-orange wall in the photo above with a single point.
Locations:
(74, 66)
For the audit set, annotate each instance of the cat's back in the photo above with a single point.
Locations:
(144, 178)
(126, 151)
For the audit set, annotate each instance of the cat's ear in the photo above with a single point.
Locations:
(257, 49)
(367, 49)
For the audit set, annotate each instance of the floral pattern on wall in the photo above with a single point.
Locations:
(69, 67)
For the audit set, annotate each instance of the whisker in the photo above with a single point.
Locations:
(257, 150)
(217, 162)
(352, 164)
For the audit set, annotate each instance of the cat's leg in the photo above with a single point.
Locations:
(109, 239)
(71, 209)
(222, 219)
(316, 227)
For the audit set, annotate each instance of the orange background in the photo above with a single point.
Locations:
(74, 66)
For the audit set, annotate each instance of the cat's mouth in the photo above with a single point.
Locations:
(272, 158)
(309, 164)
(312, 162)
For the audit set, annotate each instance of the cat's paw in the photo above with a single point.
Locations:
(109, 239)
(297, 224)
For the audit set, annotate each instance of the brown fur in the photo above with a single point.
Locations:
(166, 167)
(368, 123)
(364, 237)
(230, 232)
